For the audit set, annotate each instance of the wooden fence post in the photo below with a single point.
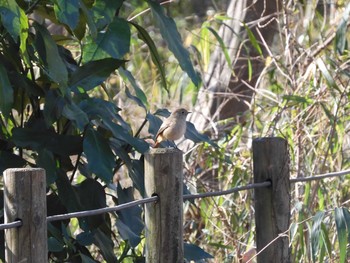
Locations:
(25, 200)
(164, 219)
(272, 204)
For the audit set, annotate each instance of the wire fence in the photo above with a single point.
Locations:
(99, 211)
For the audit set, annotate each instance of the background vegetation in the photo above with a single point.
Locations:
(79, 79)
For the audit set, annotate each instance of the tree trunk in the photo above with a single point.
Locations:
(226, 95)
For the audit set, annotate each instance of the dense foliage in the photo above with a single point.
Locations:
(61, 64)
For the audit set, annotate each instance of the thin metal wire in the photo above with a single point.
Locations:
(13, 224)
(102, 210)
(185, 197)
(319, 177)
(229, 191)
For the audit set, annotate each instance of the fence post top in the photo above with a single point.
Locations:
(26, 169)
(163, 151)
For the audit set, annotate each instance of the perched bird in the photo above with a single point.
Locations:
(173, 128)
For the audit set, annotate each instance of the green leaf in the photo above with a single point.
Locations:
(85, 238)
(140, 98)
(172, 37)
(341, 224)
(315, 234)
(114, 42)
(15, 21)
(67, 12)
(91, 196)
(86, 259)
(99, 155)
(34, 138)
(72, 112)
(129, 222)
(47, 49)
(89, 19)
(93, 73)
(105, 244)
(54, 245)
(143, 35)
(193, 252)
(326, 74)
(104, 11)
(253, 40)
(6, 93)
(47, 161)
(341, 36)
(193, 135)
(222, 46)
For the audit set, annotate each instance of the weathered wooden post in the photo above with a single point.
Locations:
(272, 204)
(164, 219)
(25, 200)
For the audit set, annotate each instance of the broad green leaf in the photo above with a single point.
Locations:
(134, 98)
(114, 42)
(122, 134)
(172, 37)
(193, 135)
(140, 95)
(93, 73)
(341, 224)
(89, 19)
(85, 238)
(315, 234)
(195, 253)
(48, 52)
(92, 196)
(86, 259)
(72, 112)
(67, 12)
(104, 11)
(143, 34)
(47, 161)
(36, 139)
(105, 244)
(129, 222)
(54, 245)
(6, 93)
(15, 21)
(99, 155)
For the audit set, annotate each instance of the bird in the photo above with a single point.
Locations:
(173, 128)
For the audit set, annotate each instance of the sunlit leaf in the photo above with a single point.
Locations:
(114, 42)
(143, 34)
(253, 40)
(67, 12)
(340, 223)
(72, 112)
(172, 37)
(104, 11)
(315, 234)
(53, 64)
(140, 98)
(15, 21)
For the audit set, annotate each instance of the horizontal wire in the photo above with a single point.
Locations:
(185, 197)
(226, 192)
(13, 224)
(102, 210)
(319, 177)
